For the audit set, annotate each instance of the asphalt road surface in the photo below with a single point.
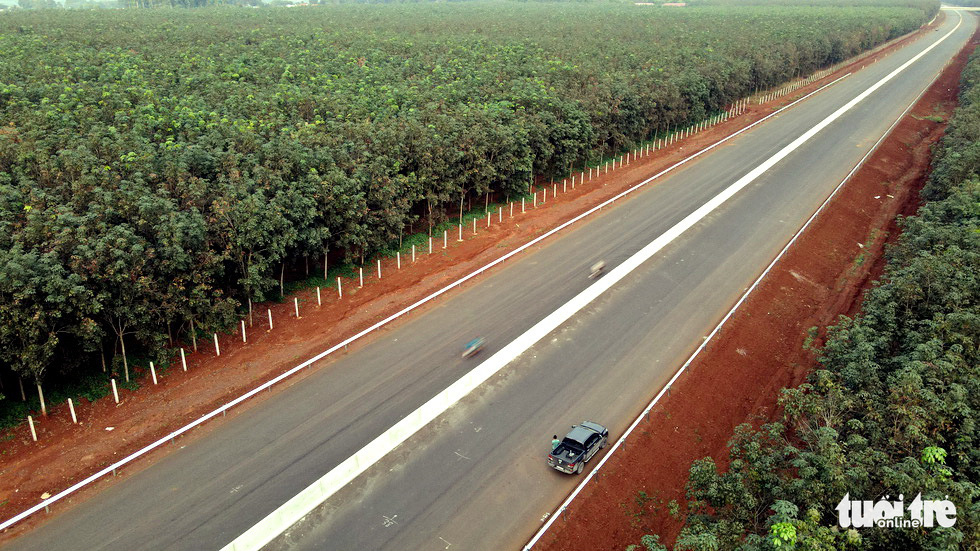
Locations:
(477, 478)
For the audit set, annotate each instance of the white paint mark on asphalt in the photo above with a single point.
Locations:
(448, 545)
(388, 522)
(280, 519)
(666, 388)
(461, 456)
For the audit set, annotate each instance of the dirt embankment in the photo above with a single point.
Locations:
(761, 350)
(67, 453)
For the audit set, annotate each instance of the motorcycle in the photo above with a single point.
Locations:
(473, 347)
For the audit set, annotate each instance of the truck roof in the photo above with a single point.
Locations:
(581, 433)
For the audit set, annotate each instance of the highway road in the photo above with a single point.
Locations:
(476, 477)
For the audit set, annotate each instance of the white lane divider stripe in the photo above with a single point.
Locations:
(551, 518)
(318, 492)
(168, 438)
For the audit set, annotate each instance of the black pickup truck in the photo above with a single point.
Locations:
(578, 446)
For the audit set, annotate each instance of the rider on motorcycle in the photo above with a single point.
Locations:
(596, 269)
(473, 346)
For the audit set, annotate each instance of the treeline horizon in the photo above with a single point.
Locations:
(160, 170)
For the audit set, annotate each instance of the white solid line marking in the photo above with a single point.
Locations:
(304, 502)
(294, 509)
(537, 536)
(224, 408)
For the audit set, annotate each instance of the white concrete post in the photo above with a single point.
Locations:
(153, 373)
(398, 260)
(460, 231)
(319, 301)
(243, 332)
(564, 185)
(30, 421)
(534, 202)
(500, 214)
(217, 350)
(488, 219)
(522, 204)
(474, 226)
(554, 190)
(296, 305)
(340, 290)
(511, 209)
(445, 238)
(183, 359)
(71, 408)
(115, 391)
(270, 318)
(430, 244)
(379, 268)
(360, 273)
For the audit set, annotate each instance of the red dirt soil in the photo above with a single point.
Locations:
(761, 348)
(66, 453)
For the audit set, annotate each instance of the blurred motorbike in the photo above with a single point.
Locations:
(473, 347)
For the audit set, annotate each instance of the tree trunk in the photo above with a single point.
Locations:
(193, 335)
(486, 203)
(250, 323)
(282, 275)
(20, 381)
(428, 203)
(102, 355)
(122, 343)
(170, 336)
(40, 395)
(325, 250)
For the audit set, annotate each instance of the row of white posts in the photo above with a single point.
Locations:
(796, 85)
(578, 178)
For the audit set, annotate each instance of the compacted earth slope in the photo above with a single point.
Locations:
(818, 281)
(762, 348)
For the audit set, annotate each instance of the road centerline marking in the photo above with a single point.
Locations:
(297, 507)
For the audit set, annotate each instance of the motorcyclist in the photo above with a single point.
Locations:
(473, 346)
(596, 269)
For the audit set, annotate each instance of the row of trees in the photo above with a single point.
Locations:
(894, 408)
(159, 171)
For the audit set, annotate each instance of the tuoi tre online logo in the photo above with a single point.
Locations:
(892, 514)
